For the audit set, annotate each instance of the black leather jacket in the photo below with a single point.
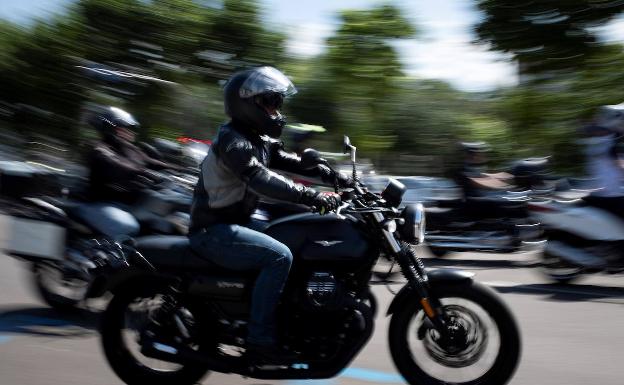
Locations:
(115, 168)
(236, 172)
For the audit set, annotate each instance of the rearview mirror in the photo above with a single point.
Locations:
(349, 148)
(346, 143)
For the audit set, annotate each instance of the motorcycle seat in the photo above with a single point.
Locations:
(175, 253)
(73, 210)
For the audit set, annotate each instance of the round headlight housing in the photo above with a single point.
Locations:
(413, 228)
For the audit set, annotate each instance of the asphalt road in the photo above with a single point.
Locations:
(571, 335)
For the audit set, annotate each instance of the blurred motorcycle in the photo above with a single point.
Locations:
(582, 239)
(65, 247)
(497, 222)
(500, 224)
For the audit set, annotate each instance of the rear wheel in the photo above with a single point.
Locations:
(483, 346)
(123, 324)
(559, 270)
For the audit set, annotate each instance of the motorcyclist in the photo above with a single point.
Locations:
(473, 178)
(233, 175)
(118, 171)
(603, 164)
(477, 185)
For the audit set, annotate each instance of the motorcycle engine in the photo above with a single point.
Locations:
(323, 292)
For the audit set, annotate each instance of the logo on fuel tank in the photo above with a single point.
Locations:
(230, 285)
(328, 243)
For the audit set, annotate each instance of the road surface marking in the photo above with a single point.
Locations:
(4, 339)
(370, 375)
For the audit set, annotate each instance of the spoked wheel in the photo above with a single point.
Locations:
(61, 293)
(123, 327)
(559, 270)
(482, 345)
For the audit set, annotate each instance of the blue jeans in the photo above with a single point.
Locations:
(240, 248)
(109, 219)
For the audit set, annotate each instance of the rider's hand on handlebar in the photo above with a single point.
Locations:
(324, 202)
(152, 177)
(327, 174)
(344, 180)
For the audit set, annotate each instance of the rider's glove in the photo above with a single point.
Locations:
(328, 175)
(324, 202)
(344, 180)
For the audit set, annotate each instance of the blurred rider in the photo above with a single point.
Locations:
(233, 175)
(603, 164)
(473, 178)
(118, 171)
(477, 185)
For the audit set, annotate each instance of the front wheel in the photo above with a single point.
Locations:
(483, 347)
(60, 292)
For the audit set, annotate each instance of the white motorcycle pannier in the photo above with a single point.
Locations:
(31, 237)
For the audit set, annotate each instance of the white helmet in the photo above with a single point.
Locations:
(611, 117)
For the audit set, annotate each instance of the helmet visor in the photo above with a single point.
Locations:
(270, 100)
(266, 80)
(121, 118)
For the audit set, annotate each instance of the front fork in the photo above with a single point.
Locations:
(414, 271)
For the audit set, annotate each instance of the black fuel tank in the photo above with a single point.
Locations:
(327, 239)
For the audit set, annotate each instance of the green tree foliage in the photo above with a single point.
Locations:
(545, 35)
(39, 79)
(355, 87)
(170, 39)
(350, 83)
(237, 31)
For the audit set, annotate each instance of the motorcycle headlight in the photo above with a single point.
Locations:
(413, 228)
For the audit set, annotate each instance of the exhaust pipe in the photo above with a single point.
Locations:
(459, 246)
(184, 355)
(469, 242)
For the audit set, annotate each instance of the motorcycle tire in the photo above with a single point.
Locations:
(41, 281)
(438, 252)
(119, 357)
(508, 355)
(558, 270)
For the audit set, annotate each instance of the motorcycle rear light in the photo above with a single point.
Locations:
(542, 208)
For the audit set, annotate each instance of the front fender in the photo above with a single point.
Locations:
(436, 278)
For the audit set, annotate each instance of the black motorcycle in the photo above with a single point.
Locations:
(68, 253)
(175, 316)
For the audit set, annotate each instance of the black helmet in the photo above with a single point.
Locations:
(111, 117)
(254, 97)
(474, 153)
(474, 147)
